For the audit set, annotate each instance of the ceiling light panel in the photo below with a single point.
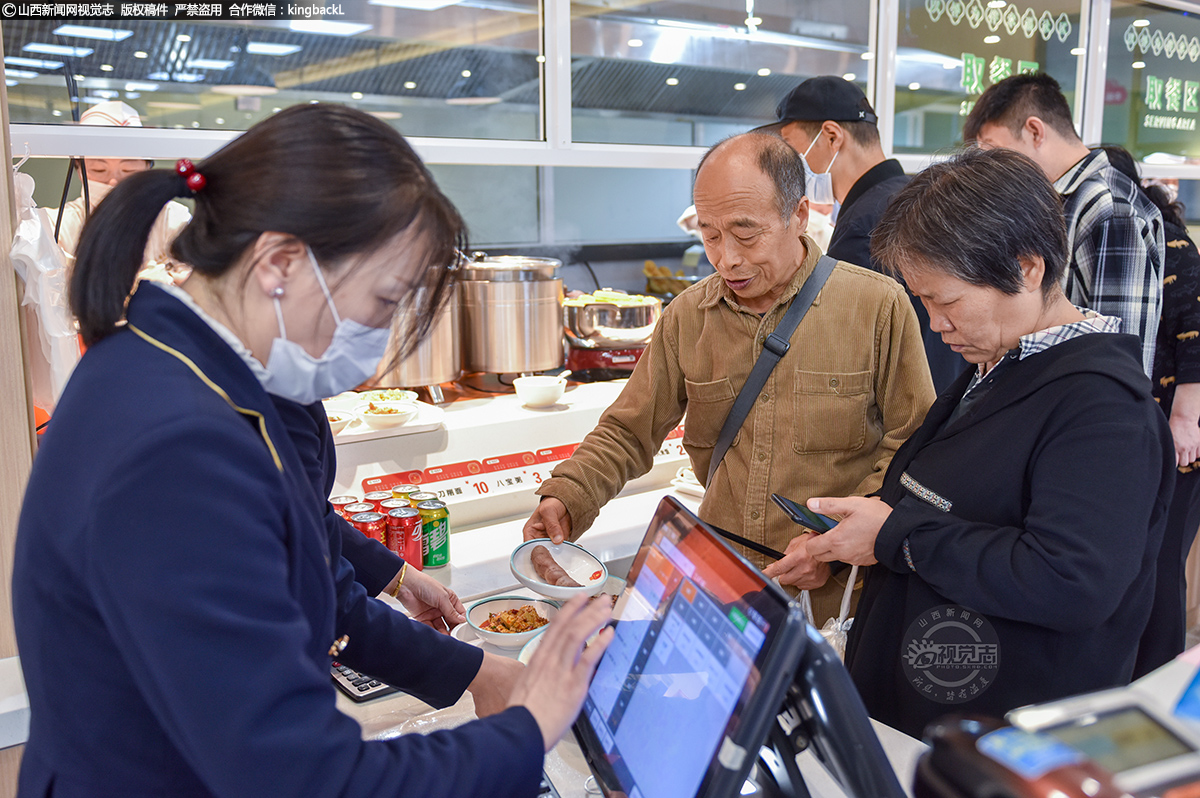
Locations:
(86, 32)
(327, 27)
(208, 63)
(58, 49)
(269, 48)
(35, 63)
(416, 5)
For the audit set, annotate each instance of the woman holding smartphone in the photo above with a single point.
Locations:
(1013, 543)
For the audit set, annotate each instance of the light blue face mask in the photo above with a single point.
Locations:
(351, 358)
(818, 187)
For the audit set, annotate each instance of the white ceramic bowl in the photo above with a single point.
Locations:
(539, 391)
(406, 411)
(579, 563)
(338, 419)
(478, 613)
(528, 649)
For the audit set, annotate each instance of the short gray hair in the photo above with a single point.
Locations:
(973, 217)
(778, 161)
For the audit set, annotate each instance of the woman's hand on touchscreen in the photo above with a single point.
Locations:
(554, 684)
(852, 541)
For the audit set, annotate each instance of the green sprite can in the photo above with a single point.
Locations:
(435, 528)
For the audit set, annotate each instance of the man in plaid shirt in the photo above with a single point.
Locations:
(1114, 234)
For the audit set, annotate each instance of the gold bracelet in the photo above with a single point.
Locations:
(399, 582)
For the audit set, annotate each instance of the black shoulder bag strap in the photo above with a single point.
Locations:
(775, 346)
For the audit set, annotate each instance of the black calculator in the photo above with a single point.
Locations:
(359, 686)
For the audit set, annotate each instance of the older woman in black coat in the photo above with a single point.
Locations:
(1013, 543)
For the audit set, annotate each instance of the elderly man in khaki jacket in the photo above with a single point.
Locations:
(849, 391)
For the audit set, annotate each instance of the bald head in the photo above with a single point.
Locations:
(752, 214)
(764, 152)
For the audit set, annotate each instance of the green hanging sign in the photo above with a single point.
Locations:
(1010, 17)
(974, 70)
(1172, 96)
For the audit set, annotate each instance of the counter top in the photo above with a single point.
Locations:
(480, 568)
(489, 454)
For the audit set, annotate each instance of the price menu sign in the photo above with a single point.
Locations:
(504, 473)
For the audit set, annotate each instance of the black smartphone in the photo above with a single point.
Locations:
(804, 516)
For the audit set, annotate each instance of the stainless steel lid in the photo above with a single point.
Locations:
(509, 268)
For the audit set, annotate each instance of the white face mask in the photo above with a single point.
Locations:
(351, 358)
(818, 187)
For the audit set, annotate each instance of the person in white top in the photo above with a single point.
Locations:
(102, 175)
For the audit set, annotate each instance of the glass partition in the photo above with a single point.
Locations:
(433, 68)
(950, 51)
(499, 203)
(619, 205)
(690, 72)
(1152, 91)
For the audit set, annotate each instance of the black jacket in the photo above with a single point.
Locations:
(865, 203)
(1033, 523)
(1177, 350)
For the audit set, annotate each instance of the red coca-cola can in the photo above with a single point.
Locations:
(351, 510)
(392, 504)
(372, 525)
(377, 496)
(339, 504)
(404, 534)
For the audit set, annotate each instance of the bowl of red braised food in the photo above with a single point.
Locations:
(510, 621)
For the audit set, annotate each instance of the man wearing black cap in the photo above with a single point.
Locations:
(828, 121)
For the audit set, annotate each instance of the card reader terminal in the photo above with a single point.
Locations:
(1149, 751)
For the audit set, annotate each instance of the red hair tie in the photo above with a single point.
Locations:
(187, 170)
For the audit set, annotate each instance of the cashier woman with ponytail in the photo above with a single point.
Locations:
(176, 593)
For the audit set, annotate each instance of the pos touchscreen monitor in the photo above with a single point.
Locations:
(704, 650)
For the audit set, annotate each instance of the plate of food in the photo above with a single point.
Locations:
(560, 571)
(685, 482)
(414, 416)
(387, 395)
(510, 621)
(338, 420)
(384, 414)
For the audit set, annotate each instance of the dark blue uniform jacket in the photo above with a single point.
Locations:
(176, 594)
(308, 427)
